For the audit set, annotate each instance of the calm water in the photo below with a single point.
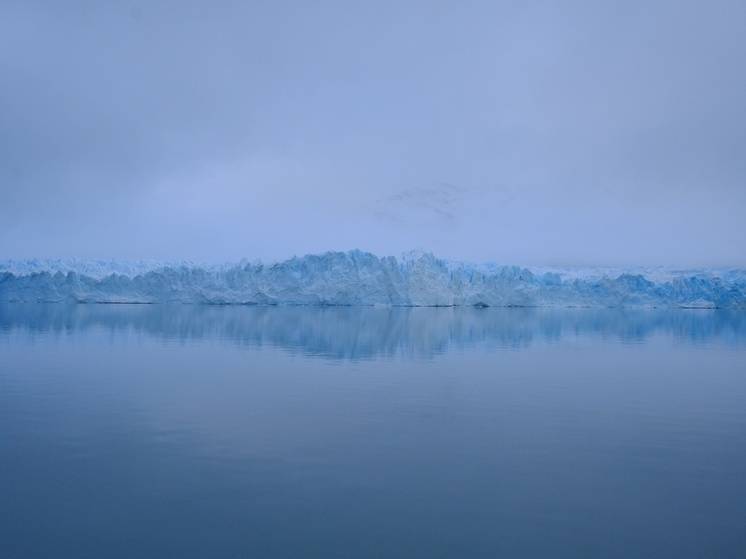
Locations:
(156, 431)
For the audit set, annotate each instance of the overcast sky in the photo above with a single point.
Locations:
(521, 132)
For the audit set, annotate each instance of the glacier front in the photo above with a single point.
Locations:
(361, 278)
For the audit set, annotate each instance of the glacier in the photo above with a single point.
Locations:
(362, 278)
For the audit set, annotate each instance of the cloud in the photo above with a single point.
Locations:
(178, 129)
(439, 203)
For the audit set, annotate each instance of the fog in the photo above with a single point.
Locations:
(550, 133)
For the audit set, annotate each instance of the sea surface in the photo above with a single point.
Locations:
(155, 431)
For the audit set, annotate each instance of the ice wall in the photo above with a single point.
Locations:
(360, 278)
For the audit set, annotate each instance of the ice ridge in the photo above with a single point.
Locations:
(362, 278)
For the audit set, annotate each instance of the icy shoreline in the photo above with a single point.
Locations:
(358, 278)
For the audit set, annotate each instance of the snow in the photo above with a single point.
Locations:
(360, 278)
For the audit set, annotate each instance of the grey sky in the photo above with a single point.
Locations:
(521, 132)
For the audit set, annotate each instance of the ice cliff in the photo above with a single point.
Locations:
(360, 278)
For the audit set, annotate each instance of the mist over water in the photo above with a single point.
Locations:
(211, 348)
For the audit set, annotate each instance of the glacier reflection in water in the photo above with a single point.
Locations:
(367, 332)
(185, 431)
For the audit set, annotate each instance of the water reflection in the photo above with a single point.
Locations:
(364, 332)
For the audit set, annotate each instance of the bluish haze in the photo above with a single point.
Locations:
(520, 132)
